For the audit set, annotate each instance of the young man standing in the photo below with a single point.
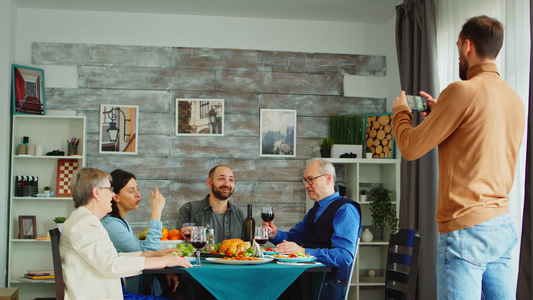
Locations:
(477, 124)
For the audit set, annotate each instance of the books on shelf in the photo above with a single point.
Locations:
(39, 274)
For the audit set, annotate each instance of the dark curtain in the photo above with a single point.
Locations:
(525, 279)
(417, 60)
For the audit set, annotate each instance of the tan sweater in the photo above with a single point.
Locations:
(478, 125)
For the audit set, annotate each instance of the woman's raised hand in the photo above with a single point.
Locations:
(157, 203)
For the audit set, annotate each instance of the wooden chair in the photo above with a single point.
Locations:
(55, 234)
(402, 265)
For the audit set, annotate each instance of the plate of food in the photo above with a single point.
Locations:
(296, 257)
(248, 260)
(270, 251)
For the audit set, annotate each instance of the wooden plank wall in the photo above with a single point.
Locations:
(248, 80)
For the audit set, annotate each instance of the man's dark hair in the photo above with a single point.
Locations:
(486, 33)
(214, 169)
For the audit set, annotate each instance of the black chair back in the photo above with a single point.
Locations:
(402, 265)
(55, 234)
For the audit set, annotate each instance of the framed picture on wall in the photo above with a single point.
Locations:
(277, 132)
(27, 227)
(199, 117)
(27, 89)
(379, 137)
(118, 129)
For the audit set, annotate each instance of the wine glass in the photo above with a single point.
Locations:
(198, 241)
(186, 230)
(261, 237)
(267, 214)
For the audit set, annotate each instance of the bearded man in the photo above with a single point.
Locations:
(215, 210)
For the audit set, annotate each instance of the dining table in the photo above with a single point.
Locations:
(265, 281)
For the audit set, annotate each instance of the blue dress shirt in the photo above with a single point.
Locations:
(343, 240)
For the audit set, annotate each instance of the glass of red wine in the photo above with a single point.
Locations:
(261, 237)
(198, 241)
(186, 230)
(267, 214)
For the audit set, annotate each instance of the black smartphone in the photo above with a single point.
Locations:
(418, 103)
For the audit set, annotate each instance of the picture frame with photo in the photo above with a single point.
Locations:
(27, 90)
(118, 129)
(200, 117)
(27, 227)
(277, 136)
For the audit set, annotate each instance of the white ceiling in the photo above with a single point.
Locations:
(364, 11)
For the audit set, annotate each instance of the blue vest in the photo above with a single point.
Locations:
(318, 234)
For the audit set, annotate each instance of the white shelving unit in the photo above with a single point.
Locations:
(52, 132)
(364, 173)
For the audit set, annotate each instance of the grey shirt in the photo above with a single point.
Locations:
(201, 213)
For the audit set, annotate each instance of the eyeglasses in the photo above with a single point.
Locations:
(106, 187)
(309, 181)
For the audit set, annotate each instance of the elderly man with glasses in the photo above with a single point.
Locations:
(329, 231)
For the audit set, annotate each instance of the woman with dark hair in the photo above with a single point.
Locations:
(126, 199)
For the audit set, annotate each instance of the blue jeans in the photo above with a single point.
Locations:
(475, 262)
(332, 290)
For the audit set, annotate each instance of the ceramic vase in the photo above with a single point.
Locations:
(367, 236)
(59, 226)
(362, 198)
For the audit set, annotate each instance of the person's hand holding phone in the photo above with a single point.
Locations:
(431, 102)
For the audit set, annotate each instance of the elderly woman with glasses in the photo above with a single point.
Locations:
(92, 267)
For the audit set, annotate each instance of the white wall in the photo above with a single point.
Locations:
(7, 29)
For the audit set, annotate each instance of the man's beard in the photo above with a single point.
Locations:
(463, 67)
(218, 194)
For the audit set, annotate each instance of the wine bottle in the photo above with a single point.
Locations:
(248, 226)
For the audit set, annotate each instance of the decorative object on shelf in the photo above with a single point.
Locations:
(38, 150)
(325, 147)
(368, 153)
(362, 195)
(200, 117)
(379, 135)
(55, 153)
(347, 131)
(72, 146)
(367, 236)
(371, 274)
(65, 169)
(381, 208)
(27, 227)
(118, 129)
(47, 191)
(27, 90)
(348, 155)
(26, 186)
(341, 189)
(277, 133)
(59, 222)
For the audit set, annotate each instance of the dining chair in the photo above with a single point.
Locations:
(55, 234)
(351, 271)
(402, 265)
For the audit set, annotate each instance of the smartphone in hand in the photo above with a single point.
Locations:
(418, 103)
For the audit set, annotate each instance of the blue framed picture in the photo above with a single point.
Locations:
(379, 139)
(27, 90)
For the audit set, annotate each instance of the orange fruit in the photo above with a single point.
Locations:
(174, 238)
(164, 239)
(164, 231)
(173, 232)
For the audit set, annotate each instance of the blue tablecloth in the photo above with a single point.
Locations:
(265, 281)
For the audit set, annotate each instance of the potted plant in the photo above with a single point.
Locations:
(368, 153)
(382, 210)
(47, 191)
(59, 222)
(347, 131)
(362, 195)
(325, 147)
